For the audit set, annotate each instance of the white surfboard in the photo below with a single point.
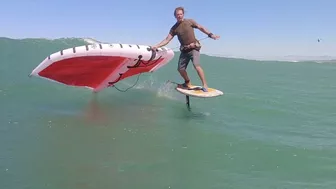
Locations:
(196, 91)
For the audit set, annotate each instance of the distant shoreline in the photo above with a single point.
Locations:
(289, 58)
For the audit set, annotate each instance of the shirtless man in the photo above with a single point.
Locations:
(190, 46)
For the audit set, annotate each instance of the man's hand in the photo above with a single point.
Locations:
(214, 36)
(154, 48)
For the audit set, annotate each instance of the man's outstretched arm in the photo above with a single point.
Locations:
(164, 42)
(204, 30)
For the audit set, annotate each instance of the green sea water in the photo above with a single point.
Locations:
(274, 127)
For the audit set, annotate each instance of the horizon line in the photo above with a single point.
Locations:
(287, 58)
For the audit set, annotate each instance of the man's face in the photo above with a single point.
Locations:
(179, 15)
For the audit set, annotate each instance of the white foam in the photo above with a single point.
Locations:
(167, 90)
(289, 58)
(91, 40)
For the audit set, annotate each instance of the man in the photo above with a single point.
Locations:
(190, 46)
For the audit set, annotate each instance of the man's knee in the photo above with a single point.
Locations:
(182, 69)
(198, 67)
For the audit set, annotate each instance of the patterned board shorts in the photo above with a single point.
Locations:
(185, 57)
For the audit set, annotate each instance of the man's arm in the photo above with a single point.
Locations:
(165, 41)
(203, 29)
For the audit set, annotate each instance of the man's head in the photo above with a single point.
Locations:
(179, 13)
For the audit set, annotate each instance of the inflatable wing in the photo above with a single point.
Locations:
(98, 66)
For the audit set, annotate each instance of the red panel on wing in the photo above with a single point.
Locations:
(82, 71)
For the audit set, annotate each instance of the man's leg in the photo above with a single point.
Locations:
(182, 67)
(196, 61)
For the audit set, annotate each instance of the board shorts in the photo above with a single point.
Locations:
(185, 57)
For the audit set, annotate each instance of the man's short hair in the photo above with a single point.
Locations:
(177, 9)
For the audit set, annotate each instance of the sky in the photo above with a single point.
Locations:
(248, 28)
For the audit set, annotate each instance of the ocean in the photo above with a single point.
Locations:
(274, 127)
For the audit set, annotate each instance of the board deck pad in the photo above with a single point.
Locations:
(196, 91)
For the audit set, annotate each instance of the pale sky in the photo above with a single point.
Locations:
(247, 28)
